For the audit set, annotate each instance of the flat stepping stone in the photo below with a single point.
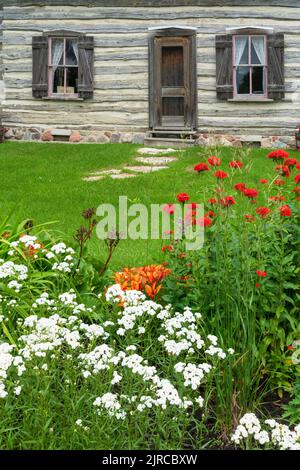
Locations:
(93, 178)
(122, 176)
(156, 160)
(146, 169)
(107, 172)
(155, 151)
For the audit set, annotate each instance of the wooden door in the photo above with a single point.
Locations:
(172, 101)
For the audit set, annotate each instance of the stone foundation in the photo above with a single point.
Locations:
(201, 139)
(206, 140)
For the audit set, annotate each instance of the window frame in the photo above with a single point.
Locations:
(64, 66)
(250, 96)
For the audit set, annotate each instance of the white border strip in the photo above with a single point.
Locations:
(240, 28)
(153, 28)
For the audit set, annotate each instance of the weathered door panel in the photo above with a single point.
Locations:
(172, 98)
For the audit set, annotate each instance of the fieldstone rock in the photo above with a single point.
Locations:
(90, 138)
(75, 137)
(280, 145)
(102, 139)
(289, 140)
(9, 134)
(35, 136)
(126, 138)
(47, 136)
(224, 141)
(236, 143)
(27, 135)
(138, 139)
(115, 137)
(19, 134)
(230, 138)
(202, 142)
(266, 142)
(108, 134)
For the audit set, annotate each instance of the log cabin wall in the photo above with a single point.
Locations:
(120, 101)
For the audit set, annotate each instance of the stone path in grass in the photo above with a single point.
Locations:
(148, 164)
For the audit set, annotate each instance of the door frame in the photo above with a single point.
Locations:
(154, 93)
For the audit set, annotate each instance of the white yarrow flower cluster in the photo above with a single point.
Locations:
(111, 404)
(63, 257)
(280, 436)
(25, 241)
(9, 269)
(193, 374)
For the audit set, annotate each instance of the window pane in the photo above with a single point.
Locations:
(72, 80)
(243, 80)
(172, 67)
(71, 52)
(241, 50)
(258, 50)
(173, 106)
(57, 52)
(58, 80)
(258, 81)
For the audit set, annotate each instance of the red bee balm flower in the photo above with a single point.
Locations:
(221, 174)
(279, 182)
(297, 178)
(210, 214)
(278, 155)
(169, 209)
(204, 222)
(251, 193)
(227, 201)
(193, 205)
(214, 161)
(167, 248)
(285, 211)
(200, 167)
(183, 197)
(283, 170)
(263, 212)
(290, 161)
(236, 164)
(212, 201)
(263, 181)
(261, 273)
(276, 198)
(249, 218)
(240, 187)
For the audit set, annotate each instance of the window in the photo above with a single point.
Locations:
(250, 66)
(63, 66)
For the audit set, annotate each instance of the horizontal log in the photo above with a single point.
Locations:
(141, 30)
(208, 109)
(149, 3)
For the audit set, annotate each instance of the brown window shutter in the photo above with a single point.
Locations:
(39, 66)
(224, 67)
(276, 88)
(86, 67)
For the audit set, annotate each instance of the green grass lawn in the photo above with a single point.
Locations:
(44, 182)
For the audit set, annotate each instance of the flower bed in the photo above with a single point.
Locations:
(178, 355)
